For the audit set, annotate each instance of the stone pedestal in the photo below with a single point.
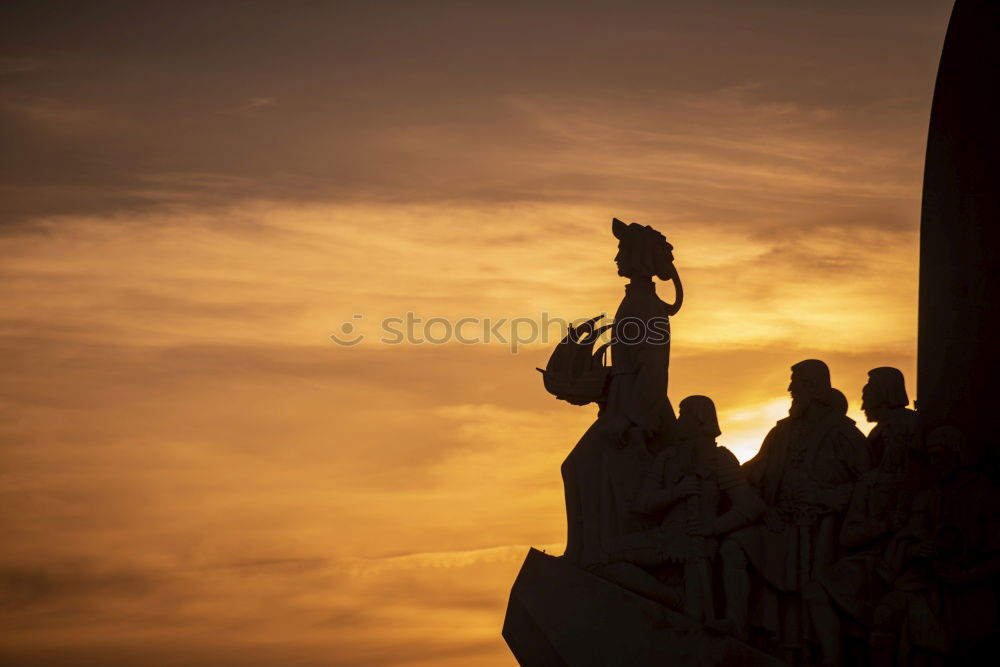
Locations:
(560, 615)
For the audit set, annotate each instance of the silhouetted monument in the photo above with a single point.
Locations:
(826, 548)
(959, 320)
(603, 472)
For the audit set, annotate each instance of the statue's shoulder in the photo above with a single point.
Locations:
(775, 442)
(781, 426)
(642, 304)
(728, 472)
(847, 427)
(648, 304)
(898, 420)
(779, 433)
(661, 305)
(725, 458)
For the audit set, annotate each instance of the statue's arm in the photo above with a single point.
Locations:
(852, 453)
(652, 496)
(645, 400)
(657, 500)
(753, 470)
(860, 527)
(675, 277)
(746, 506)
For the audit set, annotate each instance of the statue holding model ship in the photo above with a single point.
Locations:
(677, 554)
(635, 418)
(827, 547)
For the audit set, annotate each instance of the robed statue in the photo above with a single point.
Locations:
(805, 472)
(604, 470)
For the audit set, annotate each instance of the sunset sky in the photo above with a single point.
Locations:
(196, 195)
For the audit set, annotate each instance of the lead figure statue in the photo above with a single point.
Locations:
(603, 471)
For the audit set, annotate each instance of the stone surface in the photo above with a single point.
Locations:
(959, 321)
(559, 614)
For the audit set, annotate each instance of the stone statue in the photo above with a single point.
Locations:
(805, 472)
(885, 541)
(884, 402)
(804, 546)
(942, 606)
(687, 489)
(602, 473)
(879, 507)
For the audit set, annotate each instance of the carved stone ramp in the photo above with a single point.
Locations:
(560, 615)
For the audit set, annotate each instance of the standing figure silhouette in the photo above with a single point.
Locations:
(602, 473)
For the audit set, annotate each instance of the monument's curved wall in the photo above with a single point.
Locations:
(958, 366)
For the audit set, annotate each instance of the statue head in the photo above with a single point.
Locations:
(838, 401)
(810, 384)
(944, 449)
(885, 390)
(643, 252)
(697, 420)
